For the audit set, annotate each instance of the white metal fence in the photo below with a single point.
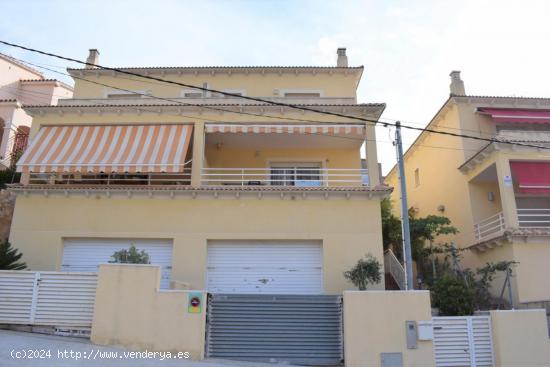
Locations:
(47, 298)
(463, 341)
(394, 268)
(285, 176)
(490, 226)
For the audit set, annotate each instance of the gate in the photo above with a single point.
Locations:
(463, 341)
(275, 328)
(47, 298)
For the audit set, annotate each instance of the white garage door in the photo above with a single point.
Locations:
(270, 267)
(87, 254)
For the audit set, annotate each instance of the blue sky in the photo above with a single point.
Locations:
(408, 48)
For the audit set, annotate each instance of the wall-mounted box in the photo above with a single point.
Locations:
(425, 330)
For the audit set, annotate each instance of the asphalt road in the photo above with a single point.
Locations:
(17, 348)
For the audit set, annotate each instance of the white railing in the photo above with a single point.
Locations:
(533, 217)
(488, 227)
(394, 268)
(285, 176)
(47, 298)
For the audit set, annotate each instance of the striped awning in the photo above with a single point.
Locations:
(329, 129)
(114, 148)
(512, 115)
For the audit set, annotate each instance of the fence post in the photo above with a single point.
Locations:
(34, 301)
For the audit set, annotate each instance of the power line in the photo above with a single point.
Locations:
(220, 121)
(281, 104)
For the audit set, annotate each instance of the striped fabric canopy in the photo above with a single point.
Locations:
(119, 148)
(331, 129)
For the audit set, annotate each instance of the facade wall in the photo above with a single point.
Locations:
(255, 84)
(374, 323)
(130, 311)
(10, 74)
(520, 338)
(41, 223)
(532, 271)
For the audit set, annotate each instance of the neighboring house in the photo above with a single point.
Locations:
(22, 85)
(226, 194)
(497, 195)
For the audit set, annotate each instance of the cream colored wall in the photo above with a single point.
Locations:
(261, 158)
(481, 206)
(41, 223)
(532, 271)
(151, 116)
(441, 183)
(374, 322)
(520, 338)
(130, 311)
(255, 84)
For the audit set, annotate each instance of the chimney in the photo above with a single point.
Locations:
(457, 85)
(93, 58)
(342, 61)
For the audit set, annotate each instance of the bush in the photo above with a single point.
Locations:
(130, 256)
(366, 271)
(453, 296)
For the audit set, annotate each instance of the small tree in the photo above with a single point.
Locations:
(9, 257)
(130, 256)
(453, 296)
(366, 271)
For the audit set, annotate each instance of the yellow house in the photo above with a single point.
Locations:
(496, 194)
(226, 194)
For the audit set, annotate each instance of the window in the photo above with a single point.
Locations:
(302, 95)
(295, 174)
(238, 92)
(192, 94)
(124, 95)
(416, 178)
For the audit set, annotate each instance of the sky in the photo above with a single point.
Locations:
(408, 48)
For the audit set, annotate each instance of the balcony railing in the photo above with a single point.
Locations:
(285, 176)
(489, 227)
(532, 218)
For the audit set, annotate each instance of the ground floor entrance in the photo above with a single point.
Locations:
(295, 329)
(86, 254)
(265, 266)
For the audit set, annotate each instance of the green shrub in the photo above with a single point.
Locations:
(366, 271)
(453, 296)
(130, 256)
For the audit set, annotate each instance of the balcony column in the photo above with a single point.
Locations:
(372, 155)
(507, 195)
(198, 153)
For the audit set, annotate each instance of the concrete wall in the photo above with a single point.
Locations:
(130, 311)
(38, 231)
(374, 322)
(520, 338)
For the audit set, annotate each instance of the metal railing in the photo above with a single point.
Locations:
(488, 227)
(166, 178)
(533, 217)
(394, 268)
(285, 176)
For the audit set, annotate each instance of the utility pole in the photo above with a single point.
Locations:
(405, 230)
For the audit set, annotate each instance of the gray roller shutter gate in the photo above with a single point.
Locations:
(296, 329)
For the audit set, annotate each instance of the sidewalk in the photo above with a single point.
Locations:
(15, 344)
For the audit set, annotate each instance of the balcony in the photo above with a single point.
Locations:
(533, 218)
(490, 227)
(297, 176)
(528, 219)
